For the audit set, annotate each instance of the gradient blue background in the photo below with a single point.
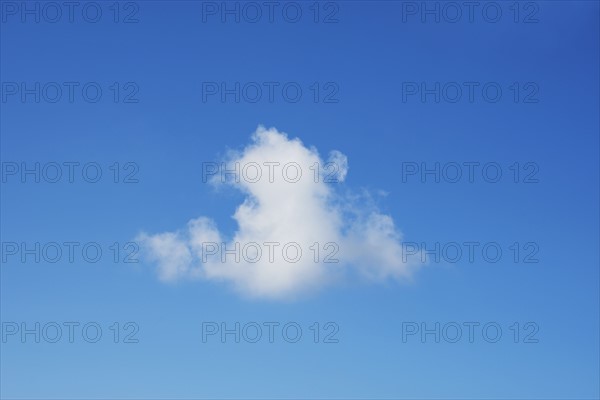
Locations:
(170, 132)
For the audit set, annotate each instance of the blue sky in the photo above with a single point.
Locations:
(364, 62)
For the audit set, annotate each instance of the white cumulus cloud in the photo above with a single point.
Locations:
(297, 230)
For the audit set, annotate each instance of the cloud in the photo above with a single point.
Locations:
(297, 231)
